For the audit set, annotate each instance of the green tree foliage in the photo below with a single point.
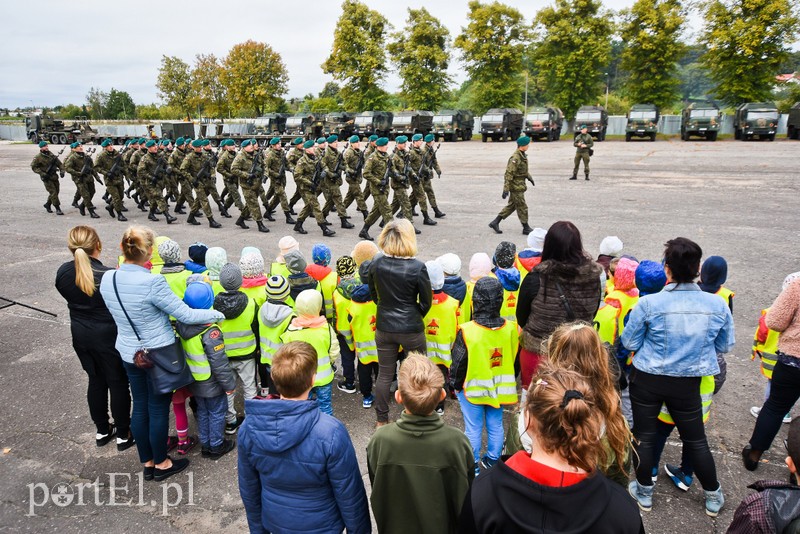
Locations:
(358, 56)
(331, 90)
(420, 53)
(96, 100)
(119, 105)
(209, 94)
(68, 112)
(492, 47)
(174, 83)
(652, 35)
(573, 45)
(255, 76)
(747, 43)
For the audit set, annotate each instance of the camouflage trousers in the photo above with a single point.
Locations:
(333, 199)
(234, 198)
(185, 195)
(252, 206)
(516, 202)
(581, 156)
(401, 201)
(311, 207)
(380, 208)
(427, 186)
(155, 194)
(115, 188)
(210, 187)
(279, 196)
(53, 187)
(201, 202)
(172, 186)
(85, 190)
(418, 196)
(354, 193)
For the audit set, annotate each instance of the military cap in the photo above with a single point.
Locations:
(180, 141)
(417, 137)
(354, 139)
(582, 127)
(253, 141)
(128, 142)
(142, 140)
(297, 141)
(106, 142)
(373, 137)
(332, 138)
(401, 139)
(227, 142)
(165, 142)
(275, 141)
(308, 144)
(429, 138)
(76, 144)
(188, 140)
(43, 144)
(382, 141)
(197, 143)
(206, 142)
(321, 140)
(150, 143)
(247, 142)
(524, 140)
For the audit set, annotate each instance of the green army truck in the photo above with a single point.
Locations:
(756, 119)
(341, 123)
(595, 118)
(701, 119)
(642, 122)
(373, 122)
(271, 124)
(793, 123)
(409, 123)
(453, 124)
(544, 123)
(303, 125)
(174, 130)
(501, 124)
(55, 131)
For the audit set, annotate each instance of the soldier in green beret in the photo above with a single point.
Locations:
(81, 169)
(431, 164)
(152, 171)
(183, 181)
(224, 166)
(415, 156)
(114, 182)
(276, 165)
(210, 184)
(304, 175)
(583, 143)
(140, 196)
(192, 165)
(402, 175)
(353, 168)
(48, 166)
(333, 163)
(292, 158)
(377, 177)
(514, 187)
(248, 169)
(130, 172)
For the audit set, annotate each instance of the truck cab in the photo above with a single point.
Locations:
(793, 123)
(701, 119)
(756, 119)
(501, 124)
(453, 124)
(373, 122)
(595, 118)
(341, 123)
(409, 123)
(544, 123)
(642, 122)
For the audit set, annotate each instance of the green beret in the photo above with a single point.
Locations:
(429, 138)
(275, 141)
(253, 141)
(228, 142)
(332, 138)
(197, 143)
(321, 140)
(76, 144)
(246, 142)
(382, 141)
(401, 139)
(180, 141)
(43, 144)
(206, 142)
(582, 127)
(106, 142)
(417, 137)
(354, 139)
(309, 144)
(128, 142)
(142, 140)
(523, 141)
(297, 141)
(188, 140)
(150, 143)
(373, 137)
(165, 142)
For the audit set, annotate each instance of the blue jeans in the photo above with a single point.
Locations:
(474, 416)
(322, 394)
(211, 419)
(150, 417)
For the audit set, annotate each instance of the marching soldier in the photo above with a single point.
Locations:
(418, 193)
(429, 156)
(48, 167)
(584, 143)
(105, 162)
(292, 158)
(368, 151)
(514, 187)
(331, 186)
(248, 171)
(400, 179)
(276, 164)
(376, 173)
(210, 186)
(353, 167)
(224, 165)
(183, 183)
(82, 173)
(191, 167)
(139, 196)
(306, 176)
(152, 171)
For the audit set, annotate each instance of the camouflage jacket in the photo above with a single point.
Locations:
(370, 150)
(329, 161)
(375, 168)
(105, 160)
(352, 157)
(225, 163)
(433, 163)
(147, 167)
(415, 157)
(240, 169)
(583, 138)
(398, 162)
(75, 162)
(292, 158)
(516, 172)
(272, 163)
(176, 160)
(191, 165)
(42, 161)
(136, 157)
(304, 172)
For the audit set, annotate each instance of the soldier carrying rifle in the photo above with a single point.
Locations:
(402, 175)
(353, 166)
(276, 173)
(308, 175)
(79, 165)
(248, 169)
(110, 163)
(152, 173)
(377, 171)
(48, 167)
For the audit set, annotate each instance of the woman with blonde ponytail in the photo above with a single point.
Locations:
(94, 334)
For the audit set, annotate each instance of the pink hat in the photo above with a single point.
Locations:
(480, 265)
(287, 244)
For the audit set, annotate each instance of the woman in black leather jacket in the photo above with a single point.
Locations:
(400, 286)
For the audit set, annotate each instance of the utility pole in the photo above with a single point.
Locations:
(607, 79)
(525, 113)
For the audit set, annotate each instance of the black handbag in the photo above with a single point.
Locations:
(166, 367)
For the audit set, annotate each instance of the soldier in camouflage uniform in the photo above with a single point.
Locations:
(131, 145)
(306, 172)
(275, 170)
(41, 165)
(224, 164)
(248, 171)
(183, 184)
(114, 184)
(514, 187)
(584, 143)
(292, 158)
(401, 180)
(82, 173)
(418, 193)
(432, 164)
(368, 151)
(354, 159)
(191, 167)
(140, 197)
(152, 172)
(210, 184)
(332, 184)
(378, 181)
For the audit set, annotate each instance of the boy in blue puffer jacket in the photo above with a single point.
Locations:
(504, 257)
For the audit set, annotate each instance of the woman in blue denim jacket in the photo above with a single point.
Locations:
(676, 335)
(149, 302)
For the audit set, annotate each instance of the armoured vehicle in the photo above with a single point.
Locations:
(642, 122)
(411, 122)
(341, 123)
(174, 130)
(46, 128)
(544, 123)
(793, 124)
(755, 118)
(271, 124)
(501, 124)
(595, 118)
(373, 122)
(702, 119)
(306, 125)
(453, 124)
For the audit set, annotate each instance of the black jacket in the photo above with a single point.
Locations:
(82, 307)
(222, 379)
(402, 290)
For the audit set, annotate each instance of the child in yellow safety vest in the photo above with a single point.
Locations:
(531, 256)
(504, 256)
(483, 370)
(612, 316)
(346, 273)
(480, 265)
(240, 329)
(251, 263)
(362, 312)
(453, 284)
(320, 271)
(610, 249)
(273, 320)
(286, 244)
(173, 270)
(441, 324)
(204, 347)
(197, 258)
(311, 327)
(216, 257)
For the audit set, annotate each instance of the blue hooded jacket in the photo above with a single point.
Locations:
(455, 287)
(509, 278)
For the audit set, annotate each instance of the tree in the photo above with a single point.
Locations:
(746, 44)
(420, 53)
(120, 105)
(209, 94)
(573, 45)
(255, 76)
(97, 99)
(358, 56)
(492, 47)
(331, 90)
(174, 83)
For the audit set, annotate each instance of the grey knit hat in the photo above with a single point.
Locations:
(277, 288)
(230, 277)
(295, 261)
(170, 251)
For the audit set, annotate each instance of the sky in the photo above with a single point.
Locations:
(56, 50)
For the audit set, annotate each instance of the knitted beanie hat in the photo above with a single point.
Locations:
(251, 265)
(230, 277)
(789, 279)
(451, 264)
(479, 265)
(199, 296)
(625, 274)
(321, 254)
(250, 250)
(198, 278)
(345, 267)
(363, 251)
(170, 251)
(536, 239)
(277, 288)
(197, 252)
(611, 246)
(216, 257)
(295, 261)
(308, 303)
(287, 244)
(436, 274)
(505, 254)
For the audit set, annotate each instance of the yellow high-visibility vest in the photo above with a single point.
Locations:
(609, 321)
(257, 293)
(362, 325)
(767, 351)
(320, 339)
(441, 325)
(342, 324)
(328, 286)
(706, 395)
(177, 281)
(270, 337)
(196, 357)
(509, 309)
(240, 340)
(279, 269)
(726, 294)
(490, 367)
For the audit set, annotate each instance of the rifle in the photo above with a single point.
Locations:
(256, 163)
(337, 169)
(530, 179)
(425, 167)
(359, 167)
(205, 170)
(282, 169)
(88, 165)
(406, 164)
(318, 176)
(115, 168)
(388, 174)
(52, 167)
(161, 169)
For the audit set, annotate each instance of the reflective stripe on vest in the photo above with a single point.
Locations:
(362, 325)
(328, 286)
(196, 356)
(766, 351)
(240, 340)
(340, 305)
(490, 366)
(509, 309)
(706, 395)
(320, 339)
(441, 324)
(270, 337)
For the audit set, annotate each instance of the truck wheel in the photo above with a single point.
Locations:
(483, 138)
(627, 137)
(54, 139)
(771, 137)
(652, 137)
(790, 132)
(737, 134)
(62, 139)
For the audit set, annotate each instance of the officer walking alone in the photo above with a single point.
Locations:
(514, 187)
(584, 143)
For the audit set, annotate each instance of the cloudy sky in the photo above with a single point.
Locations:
(55, 50)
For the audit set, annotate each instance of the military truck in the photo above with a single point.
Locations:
(595, 118)
(453, 124)
(501, 124)
(755, 118)
(46, 128)
(373, 122)
(642, 122)
(271, 124)
(793, 123)
(409, 123)
(701, 119)
(341, 123)
(174, 130)
(306, 125)
(544, 123)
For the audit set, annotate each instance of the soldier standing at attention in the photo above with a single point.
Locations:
(332, 185)
(432, 164)
(151, 173)
(415, 157)
(248, 171)
(41, 165)
(514, 187)
(75, 165)
(584, 143)
(305, 173)
(276, 165)
(353, 167)
(114, 184)
(400, 180)
(183, 186)
(378, 182)
(292, 158)
(224, 165)
(191, 166)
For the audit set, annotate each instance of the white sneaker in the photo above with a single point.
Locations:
(755, 410)
(787, 418)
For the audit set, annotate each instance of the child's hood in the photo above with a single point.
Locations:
(509, 278)
(274, 314)
(280, 424)
(318, 272)
(361, 293)
(187, 331)
(231, 303)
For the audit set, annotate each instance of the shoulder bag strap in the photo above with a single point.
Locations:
(565, 302)
(114, 279)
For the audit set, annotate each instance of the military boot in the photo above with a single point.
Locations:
(437, 213)
(151, 216)
(228, 203)
(124, 208)
(268, 215)
(170, 219)
(289, 219)
(93, 213)
(47, 207)
(587, 177)
(365, 213)
(179, 209)
(327, 232)
(414, 212)
(364, 233)
(526, 229)
(82, 209)
(416, 230)
(495, 225)
(191, 219)
(58, 211)
(121, 217)
(573, 177)
(75, 203)
(213, 224)
(262, 227)
(223, 211)
(291, 209)
(346, 224)
(298, 227)
(107, 198)
(110, 210)
(427, 220)
(240, 223)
